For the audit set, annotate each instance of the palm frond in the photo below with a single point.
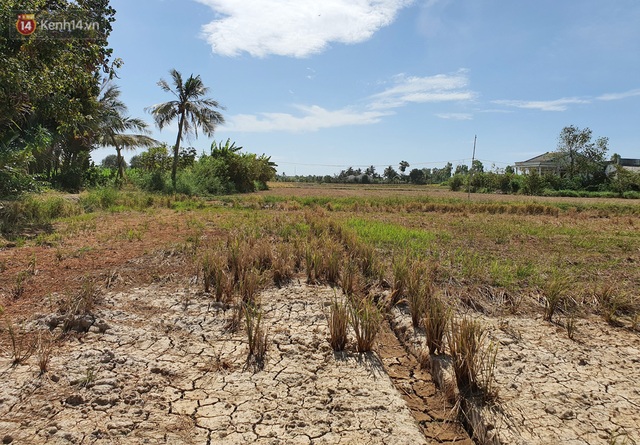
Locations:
(133, 141)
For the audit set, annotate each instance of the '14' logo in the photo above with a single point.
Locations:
(26, 24)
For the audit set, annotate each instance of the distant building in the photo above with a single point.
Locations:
(632, 165)
(542, 164)
(553, 163)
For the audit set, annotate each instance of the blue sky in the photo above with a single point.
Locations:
(320, 85)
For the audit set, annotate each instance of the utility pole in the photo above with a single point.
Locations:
(473, 158)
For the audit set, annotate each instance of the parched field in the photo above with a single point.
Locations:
(140, 319)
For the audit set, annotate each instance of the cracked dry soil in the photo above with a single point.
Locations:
(159, 366)
(554, 390)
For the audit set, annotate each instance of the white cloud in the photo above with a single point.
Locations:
(619, 96)
(405, 90)
(456, 116)
(311, 118)
(548, 105)
(296, 28)
(439, 88)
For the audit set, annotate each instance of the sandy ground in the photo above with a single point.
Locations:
(159, 366)
(556, 390)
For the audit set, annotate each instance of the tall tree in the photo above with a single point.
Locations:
(578, 155)
(49, 81)
(390, 174)
(191, 108)
(112, 123)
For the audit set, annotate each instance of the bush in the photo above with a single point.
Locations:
(150, 181)
(456, 182)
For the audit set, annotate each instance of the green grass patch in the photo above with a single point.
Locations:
(392, 236)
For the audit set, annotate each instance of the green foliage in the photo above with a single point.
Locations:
(34, 210)
(533, 183)
(112, 123)
(192, 109)
(390, 174)
(456, 182)
(417, 176)
(52, 84)
(227, 170)
(580, 157)
(625, 181)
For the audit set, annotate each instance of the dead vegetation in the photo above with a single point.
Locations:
(443, 260)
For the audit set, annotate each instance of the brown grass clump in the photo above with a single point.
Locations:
(248, 285)
(17, 290)
(207, 267)
(263, 256)
(348, 280)
(75, 306)
(436, 320)
(554, 293)
(22, 345)
(238, 257)
(473, 361)
(612, 302)
(419, 291)
(366, 320)
(400, 268)
(311, 260)
(332, 265)
(43, 350)
(283, 265)
(256, 335)
(338, 325)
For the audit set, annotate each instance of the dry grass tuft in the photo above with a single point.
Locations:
(311, 260)
(436, 320)
(283, 265)
(75, 306)
(332, 265)
(419, 292)
(263, 256)
(366, 320)
(44, 349)
(22, 344)
(554, 292)
(349, 278)
(400, 268)
(612, 302)
(18, 288)
(248, 285)
(473, 360)
(256, 335)
(338, 325)
(207, 267)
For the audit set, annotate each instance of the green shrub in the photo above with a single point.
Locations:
(456, 182)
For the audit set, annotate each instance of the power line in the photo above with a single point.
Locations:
(455, 162)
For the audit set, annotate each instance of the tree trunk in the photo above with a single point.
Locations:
(120, 163)
(176, 148)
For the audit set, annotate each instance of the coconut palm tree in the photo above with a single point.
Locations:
(192, 109)
(113, 123)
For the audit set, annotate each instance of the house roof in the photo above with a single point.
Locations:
(628, 162)
(546, 158)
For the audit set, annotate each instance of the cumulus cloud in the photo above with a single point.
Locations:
(619, 96)
(308, 119)
(438, 88)
(296, 28)
(542, 105)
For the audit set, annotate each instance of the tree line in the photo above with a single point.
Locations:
(582, 169)
(59, 101)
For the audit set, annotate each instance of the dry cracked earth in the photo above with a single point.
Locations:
(158, 365)
(554, 390)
